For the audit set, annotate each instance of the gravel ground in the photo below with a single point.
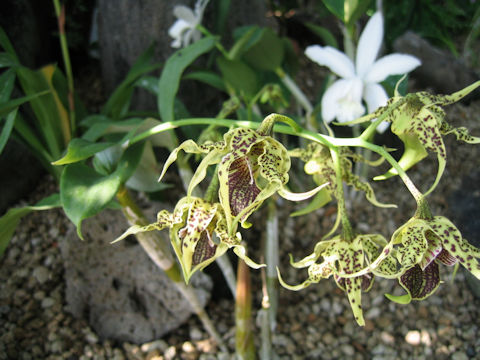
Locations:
(315, 323)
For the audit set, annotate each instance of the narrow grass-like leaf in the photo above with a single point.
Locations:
(7, 129)
(172, 72)
(207, 77)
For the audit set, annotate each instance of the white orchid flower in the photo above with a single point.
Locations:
(184, 30)
(343, 99)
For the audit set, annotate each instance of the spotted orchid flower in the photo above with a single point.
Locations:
(421, 245)
(343, 259)
(319, 164)
(252, 166)
(184, 30)
(359, 81)
(419, 121)
(198, 234)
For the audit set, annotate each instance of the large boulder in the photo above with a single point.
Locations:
(117, 288)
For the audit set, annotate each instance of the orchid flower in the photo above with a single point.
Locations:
(184, 30)
(252, 166)
(419, 121)
(343, 259)
(198, 234)
(319, 164)
(422, 245)
(343, 99)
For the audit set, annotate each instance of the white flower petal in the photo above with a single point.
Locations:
(393, 64)
(375, 96)
(177, 29)
(342, 100)
(335, 60)
(369, 44)
(329, 100)
(186, 14)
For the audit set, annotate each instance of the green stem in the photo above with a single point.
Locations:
(299, 96)
(218, 44)
(244, 346)
(326, 140)
(347, 230)
(60, 13)
(157, 248)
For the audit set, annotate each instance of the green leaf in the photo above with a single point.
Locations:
(207, 77)
(7, 60)
(336, 7)
(172, 72)
(7, 81)
(323, 33)
(80, 149)
(9, 106)
(249, 36)
(85, 193)
(119, 102)
(267, 53)
(239, 76)
(149, 83)
(8, 47)
(7, 129)
(9, 221)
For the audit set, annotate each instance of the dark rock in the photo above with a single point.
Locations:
(464, 211)
(440, 70)
(123, 295)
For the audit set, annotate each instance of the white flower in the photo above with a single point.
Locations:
(343, 99)
(184, 30)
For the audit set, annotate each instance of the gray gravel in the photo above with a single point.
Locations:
(315, 323)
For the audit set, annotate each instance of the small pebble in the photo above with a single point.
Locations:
(41, 274)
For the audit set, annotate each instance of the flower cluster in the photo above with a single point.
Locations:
(251, 167)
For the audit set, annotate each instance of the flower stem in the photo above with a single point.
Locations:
(347, 230)
(157, 248)
(60, 13)
(299, 96)
(244, 346)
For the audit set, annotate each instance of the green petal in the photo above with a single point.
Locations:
(461, 133)
(298, 287)
(241, 252)
(455, 245)
(164, 219)
(413, 242)
(189, 146)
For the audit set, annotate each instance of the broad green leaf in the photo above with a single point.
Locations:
(7, 81)
(172, 73)
(251, 34)
(267, 53)
(207, 77)
(145, 177)
(239, 76)
(10, 221)
(322, 32)
(85, 193)
(7, 129)
(336, 7)
(80, 149)
(149, 83)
